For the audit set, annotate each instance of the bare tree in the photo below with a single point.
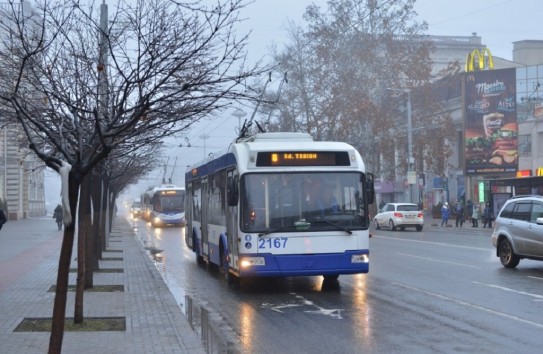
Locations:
(160, 66)
(108, 178)
(339, 70)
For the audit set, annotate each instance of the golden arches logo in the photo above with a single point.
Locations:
(480, 55)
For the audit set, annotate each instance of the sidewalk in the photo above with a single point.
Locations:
(465, 229)
(29, 255)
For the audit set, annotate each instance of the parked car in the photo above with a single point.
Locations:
(399, 215)
(518, 230)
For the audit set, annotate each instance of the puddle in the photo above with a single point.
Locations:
(213, 335)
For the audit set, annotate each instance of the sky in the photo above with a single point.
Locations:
(498, 22)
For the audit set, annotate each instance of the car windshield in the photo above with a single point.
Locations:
(408, 207)
(275, 202)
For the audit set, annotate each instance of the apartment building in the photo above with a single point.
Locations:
(21, 172)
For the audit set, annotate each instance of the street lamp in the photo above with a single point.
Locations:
(238, 113)
(411, 176)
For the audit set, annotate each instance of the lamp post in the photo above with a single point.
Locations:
(411, 179)
(238, 113)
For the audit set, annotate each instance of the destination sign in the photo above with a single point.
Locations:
(302, 158)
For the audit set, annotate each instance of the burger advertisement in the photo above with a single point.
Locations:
(491, 131)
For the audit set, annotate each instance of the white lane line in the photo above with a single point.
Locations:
(438, 260)
(538, 278)
(477, 307)
(434, 243)
(538, 297)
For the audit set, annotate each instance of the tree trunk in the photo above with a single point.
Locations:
(83, 231)
(90, 254)
(61, 293)
(103, 214)
(97, 186)
(112, 208)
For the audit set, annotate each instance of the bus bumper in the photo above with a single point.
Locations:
(349, 262)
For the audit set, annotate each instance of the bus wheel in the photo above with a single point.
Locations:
(199, 258)
(224, 263)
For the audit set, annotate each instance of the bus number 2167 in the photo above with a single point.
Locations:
(272, 242)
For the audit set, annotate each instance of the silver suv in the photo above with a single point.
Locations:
(518, 230)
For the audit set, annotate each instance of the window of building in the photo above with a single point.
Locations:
(524, 145)
(531, 72)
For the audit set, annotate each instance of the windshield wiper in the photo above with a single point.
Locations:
(332, 224)
(269, 231)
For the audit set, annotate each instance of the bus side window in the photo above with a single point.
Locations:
(232, 190)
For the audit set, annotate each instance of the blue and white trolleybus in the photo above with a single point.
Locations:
(280, 204)
(165, 205)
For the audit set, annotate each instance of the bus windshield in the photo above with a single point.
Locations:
(293, 202)
(170, 204)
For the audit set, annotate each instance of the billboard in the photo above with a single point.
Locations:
(490, 126)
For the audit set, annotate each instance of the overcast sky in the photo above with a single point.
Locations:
(498, 22)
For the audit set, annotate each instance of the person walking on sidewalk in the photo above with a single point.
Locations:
(3, 218)
(459, 210)
(488, 215)
(475, 215)
(58, 214)
(445, 214)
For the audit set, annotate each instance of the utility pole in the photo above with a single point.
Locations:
(102, 62)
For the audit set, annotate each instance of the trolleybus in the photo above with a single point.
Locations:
(280, 204)
(164, 205)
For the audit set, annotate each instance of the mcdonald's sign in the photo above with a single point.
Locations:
(480, 56)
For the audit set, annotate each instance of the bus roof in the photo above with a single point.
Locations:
(244, 153)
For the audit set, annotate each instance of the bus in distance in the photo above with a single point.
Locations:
(280, 204)
(164, 205)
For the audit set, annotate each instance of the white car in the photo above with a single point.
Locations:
(399, 215)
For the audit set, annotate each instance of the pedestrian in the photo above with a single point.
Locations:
(58, 215)
(469, 208)
(475, 215)
(3, 218)
(459, 212)
(445, 214)
(488, 216)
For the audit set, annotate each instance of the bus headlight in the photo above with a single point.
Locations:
(360, 258)
(247, 262)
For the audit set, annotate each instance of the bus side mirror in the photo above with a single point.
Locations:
(232, 192)
(370, 188)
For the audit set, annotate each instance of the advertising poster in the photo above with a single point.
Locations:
(490, 127)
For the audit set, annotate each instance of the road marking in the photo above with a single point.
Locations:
(477, 307)
(538, 278)
(438, 260)
(538, 297)
(433, 243)
(334, 313)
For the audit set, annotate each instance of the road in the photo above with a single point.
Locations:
(441, 290)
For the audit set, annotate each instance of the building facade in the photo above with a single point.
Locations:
(21, 172)
(454, 183)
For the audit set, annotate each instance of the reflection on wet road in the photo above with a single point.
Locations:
(427, 292)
